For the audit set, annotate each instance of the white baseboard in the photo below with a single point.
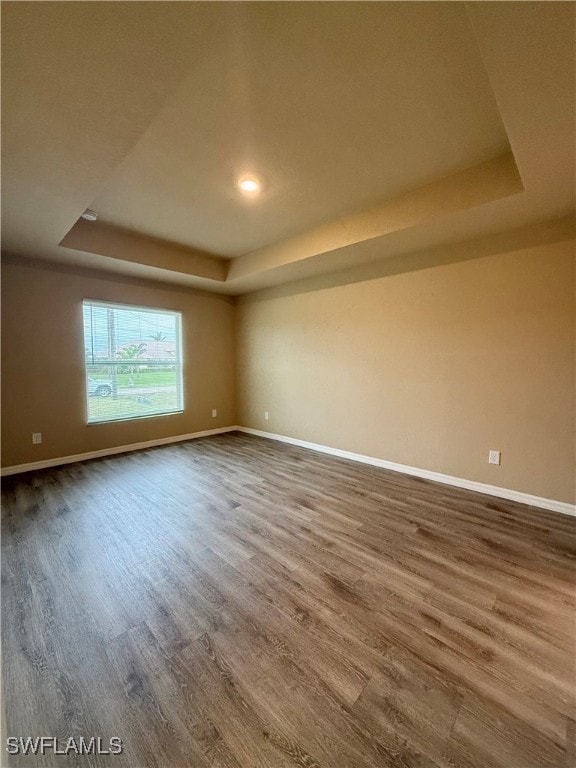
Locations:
(17, 468)
(459, 482)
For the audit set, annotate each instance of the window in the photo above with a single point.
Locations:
(133, 361)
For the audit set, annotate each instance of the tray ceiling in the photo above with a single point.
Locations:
(374, 129)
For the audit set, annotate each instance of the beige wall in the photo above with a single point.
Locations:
(430, 368)
(42, 371)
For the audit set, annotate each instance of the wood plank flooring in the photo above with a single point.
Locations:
(237, 603)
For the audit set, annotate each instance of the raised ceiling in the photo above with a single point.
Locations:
(333, 108)
(376, 129)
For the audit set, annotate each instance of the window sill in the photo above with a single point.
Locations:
(133, 418)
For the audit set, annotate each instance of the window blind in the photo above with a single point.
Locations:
(133, 361)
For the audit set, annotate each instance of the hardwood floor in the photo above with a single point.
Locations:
(238, 603)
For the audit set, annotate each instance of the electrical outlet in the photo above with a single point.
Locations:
(214, 413)
(266, 415)
(493, 457)
(36, 438)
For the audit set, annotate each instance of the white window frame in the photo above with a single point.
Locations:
(179, 366)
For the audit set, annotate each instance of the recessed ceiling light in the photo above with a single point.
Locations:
(89, 215)
(249, 185)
